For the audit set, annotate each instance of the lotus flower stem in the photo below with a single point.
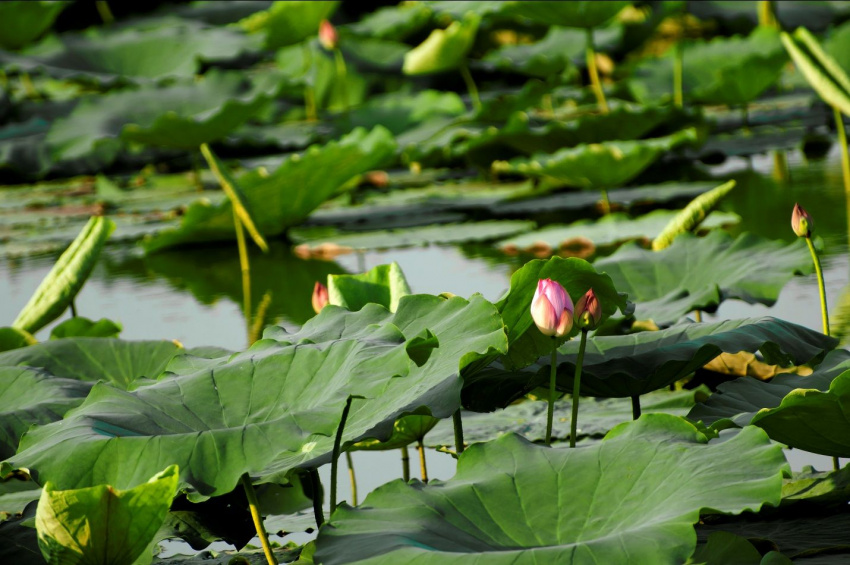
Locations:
(458, 425)
(337, 445)
(104, 11)
(423, 468)
(405, 464)
(821, 287)
(260, 318)
(678, 72)
(593, 72)
(470, 86)
(316, 495)
(352, 477)
(767, 14)
(254, 505)
(550, 412)
(73, 309)
(577, 388)
(845, 155)
(342, 76)
(636, 407)
(245, 266)
(698, 315)
(836, 464)
(309, 93)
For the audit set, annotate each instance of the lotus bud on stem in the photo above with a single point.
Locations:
(336, 449)
(552, 312)
(329, 39)
(254, 506)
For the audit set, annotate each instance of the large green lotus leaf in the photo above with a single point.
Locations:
(23, 22)
(445, 49)
(310, 65)
(825, 75)
(823, 487)
(551, 55)
(32, 396)
(699, 273)
(608, 230)
(371, 54)
(406, 430)
(506, 504)
(597, 165)
(729, 71)
(630, 365)
(286, 196)
(96, 359)
(528, 418)
(581, 14)
(577, 276)
(83, 327)
(101, 524)
(739, 400)
(394, 23)
(181, 116)
(399, 111)
(384, 285)
(284, 399)
(151, 53)
(67, 277)
(329, 242)
(812, 420)
(287, 23)
(723, 548)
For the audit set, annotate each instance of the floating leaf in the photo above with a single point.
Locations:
(692, 216)
(23, 22)
(83, 327)
(581, 14)
(101, 524)
(287, 23)
(391, 22)
(499, 506)
(399, 111)
(384, 285)
(58, 289)
(823, 73)
(699, 273)
(444, 49)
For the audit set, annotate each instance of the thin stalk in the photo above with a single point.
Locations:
(780, 165)
(470, 86)
(836, 464)
(254, 505)
(405, 464)
(316, 494)
(335, 456)
(698, 315)
(458, 425)
(593, 72)
(577, 388)
(352, 477)
(767, 14)
(552, 378)
(678, 73)
(104, 11)
(606, 202)
(196, 171)
(73, 309)
(636, 407)
(423, 468)
(342, 76)
(260, 318)
(821, 287)
(845, 155)
(309, 93)
(245, 266)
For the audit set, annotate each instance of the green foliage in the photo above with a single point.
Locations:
(23, 22)
(443, 50)
(83, 327)
(384, 285)
(692, 216)
(286, 23)
(824, 74)
(13, 338)
(66, 278)
(581, 14)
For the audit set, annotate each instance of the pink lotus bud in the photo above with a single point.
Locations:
(588, 311)
(320, 296)
(328, 36)
(552, 309)
(801, 222)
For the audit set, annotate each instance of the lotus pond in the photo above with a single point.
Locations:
(424, 282)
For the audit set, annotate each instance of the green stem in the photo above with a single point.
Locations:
(577, 388)
(73, 309)
(606, 202)
(104, 11)
(845, 154)
(196, 171)
(245, 267)
(458, 425)
(470, 86)
(342, 76)
(405, 464)
(335, 456)
(423, 468)
(821, 287)
(678, 73)
(836, 464)
(254, 505)
(636, 407)
(780, 165)
(593, 72)
(352, 477)
(309, 93)
(698, 315)
(316, 495)
(552, 378)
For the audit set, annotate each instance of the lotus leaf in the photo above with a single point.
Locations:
(23, 22)
(83, 327)
(13, 338)
(813, 486)
(825, 75)
(499, 506)
(597, 165)
(581, 14)
(399, 112)
(377, 55)
(273, 390)
(384, 285)
(31, 396)
(15, 495)
(310, 65)
(287, 23)
(101, 523)
(723, 548)
(286, 196)
(551, 55)
(96, 359)
(392, 22)
(838, 46)
(443, 50)
(406, 430)
(699, 273)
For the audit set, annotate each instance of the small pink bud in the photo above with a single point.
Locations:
(801, 222)
(552, 309)
(320, 296)
(328, 36)
(588, 311)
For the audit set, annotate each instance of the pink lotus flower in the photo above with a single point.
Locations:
(552, 309)
(328, 36)
(588, 312)
(801, 222)
(320, 296)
